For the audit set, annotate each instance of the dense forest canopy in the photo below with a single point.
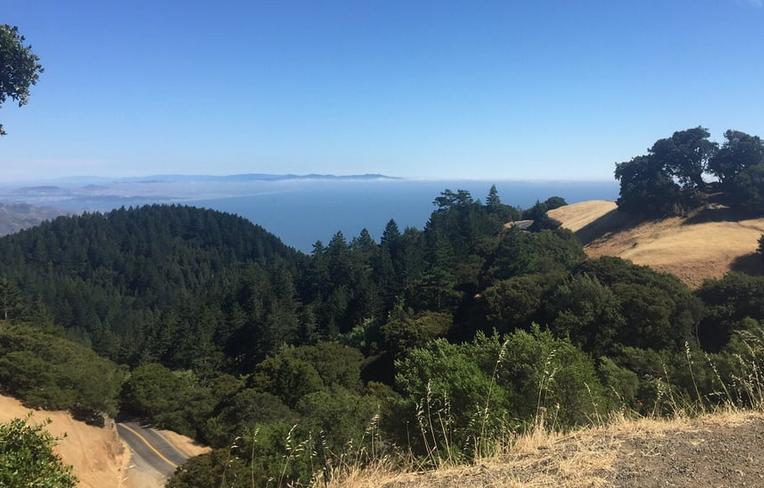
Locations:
(446, 336)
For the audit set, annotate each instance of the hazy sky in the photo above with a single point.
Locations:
(475, 89)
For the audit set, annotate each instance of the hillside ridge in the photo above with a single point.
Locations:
(703, 245)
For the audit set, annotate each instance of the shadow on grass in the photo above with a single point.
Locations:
(610, 223)
(751, 264)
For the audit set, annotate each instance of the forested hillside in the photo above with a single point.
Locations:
(440, 340)
(126, 279)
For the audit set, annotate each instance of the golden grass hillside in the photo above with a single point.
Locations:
(705, 244)
(97, 454)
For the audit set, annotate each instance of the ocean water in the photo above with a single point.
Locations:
(301, 214)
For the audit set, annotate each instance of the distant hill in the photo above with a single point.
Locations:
(17, 216)
(705, 244)
(110, 276)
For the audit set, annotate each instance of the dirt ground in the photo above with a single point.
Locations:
(97, 454)
(720, 451)
(705, 245)
(186, 445)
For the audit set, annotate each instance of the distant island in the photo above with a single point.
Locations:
(167, 178)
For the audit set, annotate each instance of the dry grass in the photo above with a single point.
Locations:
(584, 458)
(97, 454)
(184, 444)
(576, 216)
(693, 248)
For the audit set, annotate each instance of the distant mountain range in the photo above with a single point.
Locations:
(17, 216)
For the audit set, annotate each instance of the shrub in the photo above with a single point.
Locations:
(513, 303)
(474, 389)
(729, 301)
(658, 310)
(405, 331)
(27, 458)
(587, 311)
(168, 399)
(548, 251)
(243, 411)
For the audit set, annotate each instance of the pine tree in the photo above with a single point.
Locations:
(11, 301)
(493, 201)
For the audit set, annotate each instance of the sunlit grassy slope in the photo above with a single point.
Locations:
(705, 244)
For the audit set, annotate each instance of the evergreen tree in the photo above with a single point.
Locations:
(11, 301)
(493, 201)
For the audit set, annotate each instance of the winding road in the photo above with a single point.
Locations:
(150, 450)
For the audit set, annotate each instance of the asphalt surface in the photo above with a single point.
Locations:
(148, 445)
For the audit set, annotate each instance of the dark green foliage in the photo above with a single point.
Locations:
(405, 331)
(647, 188)
(669, 178)
(444, 380)
(513, 303)
(21, 68)
(729, 301)
(27, 458)
(122, 278)
(739, 151)
(542, 371)
(242, 412)
(51, 372)
(746, 190)
(657, 310)
(538, 211)
(298, 371)
(520, 253)
(174, 400)
(587, 311)
(486, 383)
(12, 306)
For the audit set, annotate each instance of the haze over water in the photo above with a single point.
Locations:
(306, 213)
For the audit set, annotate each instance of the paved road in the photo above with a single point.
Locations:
(153, 449)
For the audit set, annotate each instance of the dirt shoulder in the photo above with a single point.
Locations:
(721, 450)
(97, 454)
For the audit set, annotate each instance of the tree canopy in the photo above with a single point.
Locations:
(20, 68)
(673, 176)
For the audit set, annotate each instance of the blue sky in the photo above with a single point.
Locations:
(497, 90)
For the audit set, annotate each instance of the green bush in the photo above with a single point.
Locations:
(244, 410)
(27, 458)
(587, 312)
(168, 399)
(405, 331)
(729, 301)
(548, 251)
(479, 386)
(513, 303)
(54, 373)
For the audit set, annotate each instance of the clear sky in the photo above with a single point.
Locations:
(470, 89)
